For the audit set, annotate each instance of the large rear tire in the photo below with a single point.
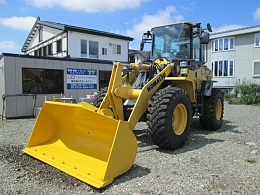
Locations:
(213, 110)
(99, 97)
(169, 118)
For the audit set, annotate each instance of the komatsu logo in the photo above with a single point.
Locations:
(153, 84)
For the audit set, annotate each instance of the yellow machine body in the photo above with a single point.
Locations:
(92, 144)
(82, 142)
(96, 143)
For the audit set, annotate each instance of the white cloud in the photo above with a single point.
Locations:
(2, 1)
(88, 5)
(186, 8)
(257, 14)
(226, 27)
(20, 23)
(148, 21)
(8, 46)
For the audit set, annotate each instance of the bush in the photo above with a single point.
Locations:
(228, 95)
(249, 93)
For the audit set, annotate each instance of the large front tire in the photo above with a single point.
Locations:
(169, 118)
(99, 97)
(213, 110)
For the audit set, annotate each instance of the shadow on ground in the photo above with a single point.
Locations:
(198, 138)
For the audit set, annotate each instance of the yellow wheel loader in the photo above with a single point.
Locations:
(95, 142)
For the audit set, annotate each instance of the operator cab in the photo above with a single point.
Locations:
(180, 42)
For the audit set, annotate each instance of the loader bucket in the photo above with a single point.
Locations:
(81, 141)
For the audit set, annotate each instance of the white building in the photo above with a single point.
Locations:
(234, 56)
(136, 56)
(61, 40)
(59, 61)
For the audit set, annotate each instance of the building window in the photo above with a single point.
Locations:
(59, 46)
(104, 51)
(223, 68)
(36, 52)
(42, 81)
(216, 45)
(220, 44)
(231, 68)
(93, 49)
(44, 49)
(226, 44)
(223, 44)
(220, 68)
(256, 71)
(132, 59)
(231, 43)
(216, 68)
(83, 48)
(49, 53)
(116, 49)
(257, 40)
(41, 34)
(104, 77)
(40, 52)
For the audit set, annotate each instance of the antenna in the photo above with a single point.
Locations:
(125, 23)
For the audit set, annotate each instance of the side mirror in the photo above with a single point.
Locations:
(204, 38)
(142, 46)
(209, 27)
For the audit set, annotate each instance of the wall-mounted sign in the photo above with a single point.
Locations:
(81, 78)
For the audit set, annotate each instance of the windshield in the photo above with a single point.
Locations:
(171, 42)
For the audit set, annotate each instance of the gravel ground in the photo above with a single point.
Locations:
(226, 161)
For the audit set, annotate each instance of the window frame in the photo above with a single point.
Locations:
(253, 71)
(117, 49)
(218, 68)
(91, 49)
(44, 50)
(40, 82)
(223, 44)
(49, 50)
(257, 40)
(59, 46)
(83, 54)
(104, 51)
(40, 51)
(231, 46)
(229, 68)
(216, 45)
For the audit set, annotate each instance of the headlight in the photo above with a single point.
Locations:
(184, 71)
(183, 63)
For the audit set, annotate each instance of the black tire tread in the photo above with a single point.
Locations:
(208, 120)
(99, 97)
(158, 118)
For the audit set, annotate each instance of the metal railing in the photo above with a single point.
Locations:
(17, 95)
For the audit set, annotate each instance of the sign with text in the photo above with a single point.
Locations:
(81, 78)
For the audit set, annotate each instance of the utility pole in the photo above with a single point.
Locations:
(125, 23)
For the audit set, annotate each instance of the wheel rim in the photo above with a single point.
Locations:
(218, 109)
(179, 119)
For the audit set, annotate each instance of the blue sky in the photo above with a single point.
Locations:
(126, 17)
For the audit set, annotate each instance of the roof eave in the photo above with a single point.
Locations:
(239, 31)
(96, 32)
(29, 35)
